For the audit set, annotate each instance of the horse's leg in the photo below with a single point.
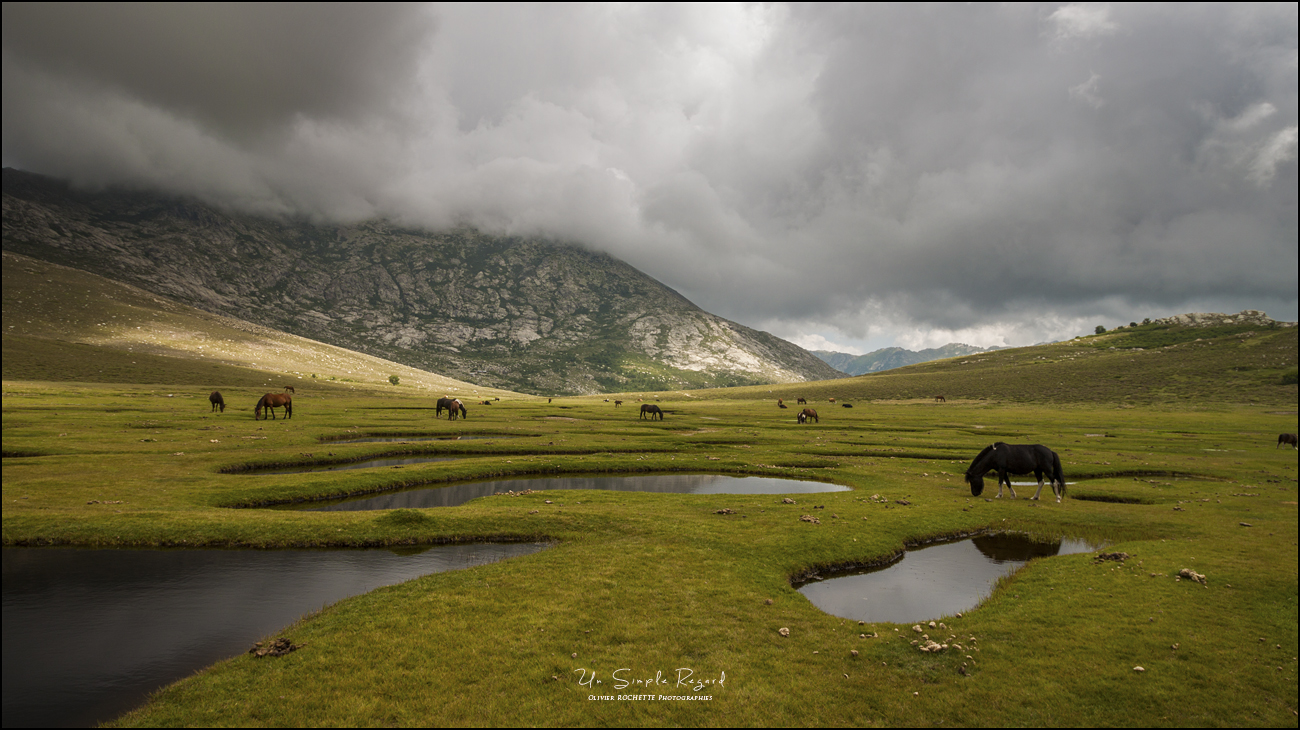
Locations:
(1005, 476)
(1039, 476)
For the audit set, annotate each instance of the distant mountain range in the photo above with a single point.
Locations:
(505, 312)
(893, 357)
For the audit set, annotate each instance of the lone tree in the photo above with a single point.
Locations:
(1099, 330)
(393, 379)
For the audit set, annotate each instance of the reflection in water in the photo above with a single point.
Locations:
(370, 464)
(932, 582)
(455, 494)
(88, 634)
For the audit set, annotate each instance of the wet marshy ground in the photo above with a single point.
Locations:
(88, 634)
(455, 494)
(931, 582)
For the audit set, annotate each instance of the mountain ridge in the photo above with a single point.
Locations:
(889, 358)
(505, 312)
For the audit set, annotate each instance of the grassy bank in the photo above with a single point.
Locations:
(657, 582)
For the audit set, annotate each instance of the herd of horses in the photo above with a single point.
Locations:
(1005, 459)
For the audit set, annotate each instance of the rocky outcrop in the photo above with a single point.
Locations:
(523, 314)
(1216, 319)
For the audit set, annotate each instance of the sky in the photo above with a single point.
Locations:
(847, 177)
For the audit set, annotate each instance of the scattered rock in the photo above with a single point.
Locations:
(769, 601)
(787, 500)
(810, 518)
(783, 631)
(725, 511)
(1138, 669)
(1117, 557)
(853, 652)
(279, 647)
(1190, 574)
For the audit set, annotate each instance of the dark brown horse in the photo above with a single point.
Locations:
(217, 401)
(456, 408)
(802, 401)
(1286, 438)
(940, 399)
(289, 389)
(653, 410)
(807, 413)
(270, 402)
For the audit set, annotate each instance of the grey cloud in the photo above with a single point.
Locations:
(852, 170)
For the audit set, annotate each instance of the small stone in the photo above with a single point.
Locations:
(853, 652)
(1138, 669)
(769, 601)
(783, 631)
(574, 655)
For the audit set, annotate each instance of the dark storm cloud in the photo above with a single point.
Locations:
(999, 174)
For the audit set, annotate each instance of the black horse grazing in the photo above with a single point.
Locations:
(217, 401)
(653, 410)
(1019, 459)
(807, 413)
(270, 402)
(1286, 438)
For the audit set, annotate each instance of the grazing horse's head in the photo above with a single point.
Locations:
(976, 482)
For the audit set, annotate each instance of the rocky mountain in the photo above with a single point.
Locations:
(529, 315)
(892, 357)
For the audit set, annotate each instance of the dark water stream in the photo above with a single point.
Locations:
(455, 494)
(406, 439)
(88, 634)
(932, 582)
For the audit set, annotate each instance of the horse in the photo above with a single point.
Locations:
(217, 401)
(456, 408)
(802, 401)
(289, 389)
(847, 405)
(1286, 438)
(653, 410)
(270, 402)
(940, 399)
(781, 405)
(832, 400)
(1019, 459)
(617, 403)
(443, 402)
(807, 413)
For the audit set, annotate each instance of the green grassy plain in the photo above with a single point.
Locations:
(653, 583)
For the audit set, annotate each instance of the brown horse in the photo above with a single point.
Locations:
(940, 399)
(618, 403)
(802, 401)
(1286, 438)
(217, 401)
(807, 413)
(653, 410)
(289, 389)
(456, 408)
(270, 402)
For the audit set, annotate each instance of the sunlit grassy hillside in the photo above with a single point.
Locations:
(62, 324)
